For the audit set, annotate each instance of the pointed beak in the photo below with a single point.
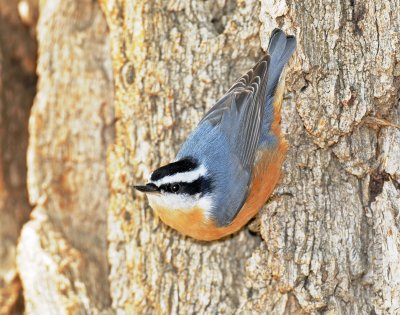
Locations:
(148, 188)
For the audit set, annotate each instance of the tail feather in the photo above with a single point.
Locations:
(280, 48)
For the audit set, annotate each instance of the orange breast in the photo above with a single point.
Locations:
(266, 174)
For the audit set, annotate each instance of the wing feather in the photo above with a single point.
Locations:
(239, 113)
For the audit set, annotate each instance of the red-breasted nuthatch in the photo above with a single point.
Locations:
(231, 162)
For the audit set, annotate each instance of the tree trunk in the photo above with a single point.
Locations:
(62, 255)
(328, 241)
(325, 239)
(17, 89)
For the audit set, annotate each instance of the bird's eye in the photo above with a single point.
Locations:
(175, 187)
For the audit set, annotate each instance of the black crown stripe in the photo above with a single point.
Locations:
(181, 166)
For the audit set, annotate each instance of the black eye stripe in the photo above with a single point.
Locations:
(201, 186)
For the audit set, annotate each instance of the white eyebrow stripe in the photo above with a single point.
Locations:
(186, 177)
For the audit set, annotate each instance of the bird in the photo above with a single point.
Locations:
(231, 162)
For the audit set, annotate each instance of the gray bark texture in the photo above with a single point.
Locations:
(327, 242)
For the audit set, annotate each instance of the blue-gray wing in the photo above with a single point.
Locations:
(239, 113)
(227, 139)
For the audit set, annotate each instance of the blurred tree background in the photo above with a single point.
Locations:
(119, 86)
(18, 51)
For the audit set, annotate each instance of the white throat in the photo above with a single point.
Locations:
(179, 202)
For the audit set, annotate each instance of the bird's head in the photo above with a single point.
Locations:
(183, 185)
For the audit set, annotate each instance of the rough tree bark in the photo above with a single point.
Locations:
(326, 245)
(171, 60)
(17, 89)
(328, 242)
(62, 250)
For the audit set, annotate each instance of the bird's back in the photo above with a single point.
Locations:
(239, 129)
